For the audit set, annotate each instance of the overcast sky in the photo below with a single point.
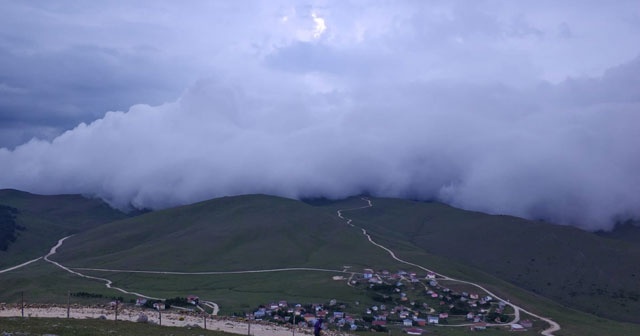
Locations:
(528, 108)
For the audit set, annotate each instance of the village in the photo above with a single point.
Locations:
(403, 301)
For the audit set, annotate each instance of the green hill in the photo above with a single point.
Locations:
(45, 219)
(533, 264)
(580, 269)
(227, 234)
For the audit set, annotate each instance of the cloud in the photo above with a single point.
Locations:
(485, 147)
(481, 106)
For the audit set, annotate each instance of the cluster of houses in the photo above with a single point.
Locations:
(420, 300)
(305, 315)
(407, 300)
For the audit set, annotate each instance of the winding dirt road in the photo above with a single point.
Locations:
(553, 326)
(19, 266)
(108, 283)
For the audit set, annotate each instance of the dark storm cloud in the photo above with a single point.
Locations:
(499, 107)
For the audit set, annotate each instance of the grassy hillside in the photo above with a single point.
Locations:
(574, 267)
(46, 219)
(258, 232)
(225, 234)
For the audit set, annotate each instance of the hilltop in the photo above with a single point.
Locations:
(43, 219)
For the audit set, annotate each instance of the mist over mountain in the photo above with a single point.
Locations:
(497, 109)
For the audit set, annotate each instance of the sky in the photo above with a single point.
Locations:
(525, 108)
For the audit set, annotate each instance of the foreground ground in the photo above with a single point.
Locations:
(93, 327)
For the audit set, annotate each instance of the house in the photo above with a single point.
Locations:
(413, 331)
(470, 316)
(479, 326)
(432, 319)
(517, 327)
(260, 313)
(443, 315)
(159, 305)
(309, 317)
(526, 323)
(192, 299)
(420, 322)
(338, 314)
(407, 322)
(368, 273)
(282, 304)
(473, 296)
(141, 301)
(379, 323)
(431, 275)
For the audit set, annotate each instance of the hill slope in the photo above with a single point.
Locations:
(45, 219)
(225, 234)
(580, 269)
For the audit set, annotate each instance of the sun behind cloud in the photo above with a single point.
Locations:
(321, 26)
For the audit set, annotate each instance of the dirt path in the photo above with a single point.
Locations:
(553, 326)
(18, 266)
(108, 283)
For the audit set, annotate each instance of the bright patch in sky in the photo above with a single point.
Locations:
(320, 26)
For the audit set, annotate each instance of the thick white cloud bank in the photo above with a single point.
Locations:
(491, 108)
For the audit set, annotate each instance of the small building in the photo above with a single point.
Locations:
(141, 301)
(517, 327)
(479, 326)
(413, 331)
(368, 273)
(159, 306)
(192, 299)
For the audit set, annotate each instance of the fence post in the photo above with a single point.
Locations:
(68, 303)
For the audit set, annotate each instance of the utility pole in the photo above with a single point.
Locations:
(159, 316)
(205, 320)
(68, 303)
(22, 303)
(249, 330)
(116, 311)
